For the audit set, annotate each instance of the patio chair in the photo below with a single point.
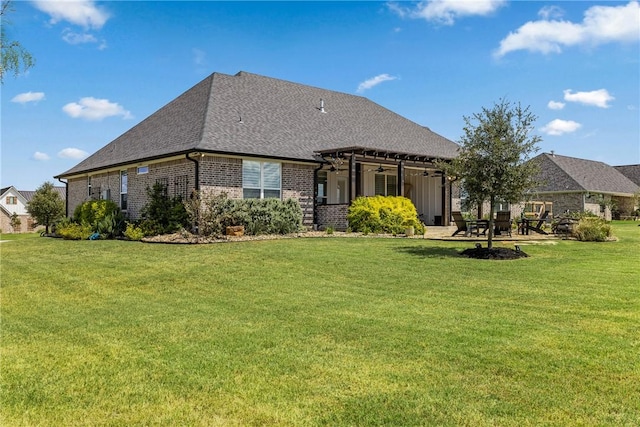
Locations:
(502, 223)
(461, 224)
(537, 227)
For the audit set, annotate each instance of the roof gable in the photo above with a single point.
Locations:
(251, 115)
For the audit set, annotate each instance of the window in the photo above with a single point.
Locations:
(12, 200)
(89, 187)
(143, 169)
(322, 188)
(342, 189)
(260, 180)
(123, 190)
(386, 185)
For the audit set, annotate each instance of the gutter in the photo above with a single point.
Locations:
(197, 172)
(66, 197)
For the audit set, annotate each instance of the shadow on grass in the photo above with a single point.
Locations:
(429, 251)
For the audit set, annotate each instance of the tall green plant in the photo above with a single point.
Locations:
(46, 206)
(168, 214)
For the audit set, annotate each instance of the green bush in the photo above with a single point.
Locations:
(592, 229)
(70, 230)
(380, 214)
(168, 214)
(258, 216)
(92, 212)
(133, 232)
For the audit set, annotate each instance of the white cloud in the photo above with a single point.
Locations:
(23, 98)
(598, 98)
(40, 156)
(374, 81)
(72, 37)
(601, 24)
(446, 11)
(79, 12)
(560, 127)
(551, 12)
(555, 105)
(90, 108)
(72, 153)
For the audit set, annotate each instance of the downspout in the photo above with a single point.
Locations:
(66, 197)
(197, 172)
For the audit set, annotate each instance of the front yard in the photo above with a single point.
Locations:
(328, 331)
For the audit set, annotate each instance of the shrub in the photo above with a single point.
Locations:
(168, 214)
(380, 214)
(70, 230)
(592, 229)
(213, 214)
(92, 212)
(133, 232)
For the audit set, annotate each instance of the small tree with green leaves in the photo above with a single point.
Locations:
(15, 222)
(494, 162)
(46, 206)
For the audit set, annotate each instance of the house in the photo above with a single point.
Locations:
(15, 201)
(254, 137)
(630, 171)
(573, 184)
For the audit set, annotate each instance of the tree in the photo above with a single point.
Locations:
(46, 206)
(15, 58)
(494, 162)
(15, 222)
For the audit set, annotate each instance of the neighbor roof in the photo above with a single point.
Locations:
(630, 171)
(251, 115)
(568, 174)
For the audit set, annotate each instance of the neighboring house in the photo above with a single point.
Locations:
(16, 201)
(254, 137)
(573, 184)
(630, 171)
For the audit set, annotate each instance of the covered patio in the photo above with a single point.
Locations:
(350, 172)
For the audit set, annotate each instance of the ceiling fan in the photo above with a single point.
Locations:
(379, 169)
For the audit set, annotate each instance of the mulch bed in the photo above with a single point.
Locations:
(493, 253)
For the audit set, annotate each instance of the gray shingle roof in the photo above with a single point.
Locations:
(630, 171)
(248, 114)
(566, 174)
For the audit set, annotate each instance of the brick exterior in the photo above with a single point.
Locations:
(217, 175)
(27, 224)
(332, 216)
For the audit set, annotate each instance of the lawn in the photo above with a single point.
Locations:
(325, 331)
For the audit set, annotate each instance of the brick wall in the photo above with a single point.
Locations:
(333, 216)
(217, 175)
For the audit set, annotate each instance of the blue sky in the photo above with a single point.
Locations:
(102, 67)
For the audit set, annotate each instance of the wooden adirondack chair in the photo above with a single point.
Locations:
(461, 224)
(502, 223)
(537, 225)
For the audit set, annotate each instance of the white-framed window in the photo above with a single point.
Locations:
(124, 183)
(386, 185)
(322, 188)
(142, 170)
(89, 187)
(261, 180)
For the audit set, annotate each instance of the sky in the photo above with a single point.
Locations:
(104, 66)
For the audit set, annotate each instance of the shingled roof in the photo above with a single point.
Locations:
(570, 174)
(251, 115)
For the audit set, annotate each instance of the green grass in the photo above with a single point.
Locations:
(327, 331)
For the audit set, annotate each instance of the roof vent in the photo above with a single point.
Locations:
(322, 110)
